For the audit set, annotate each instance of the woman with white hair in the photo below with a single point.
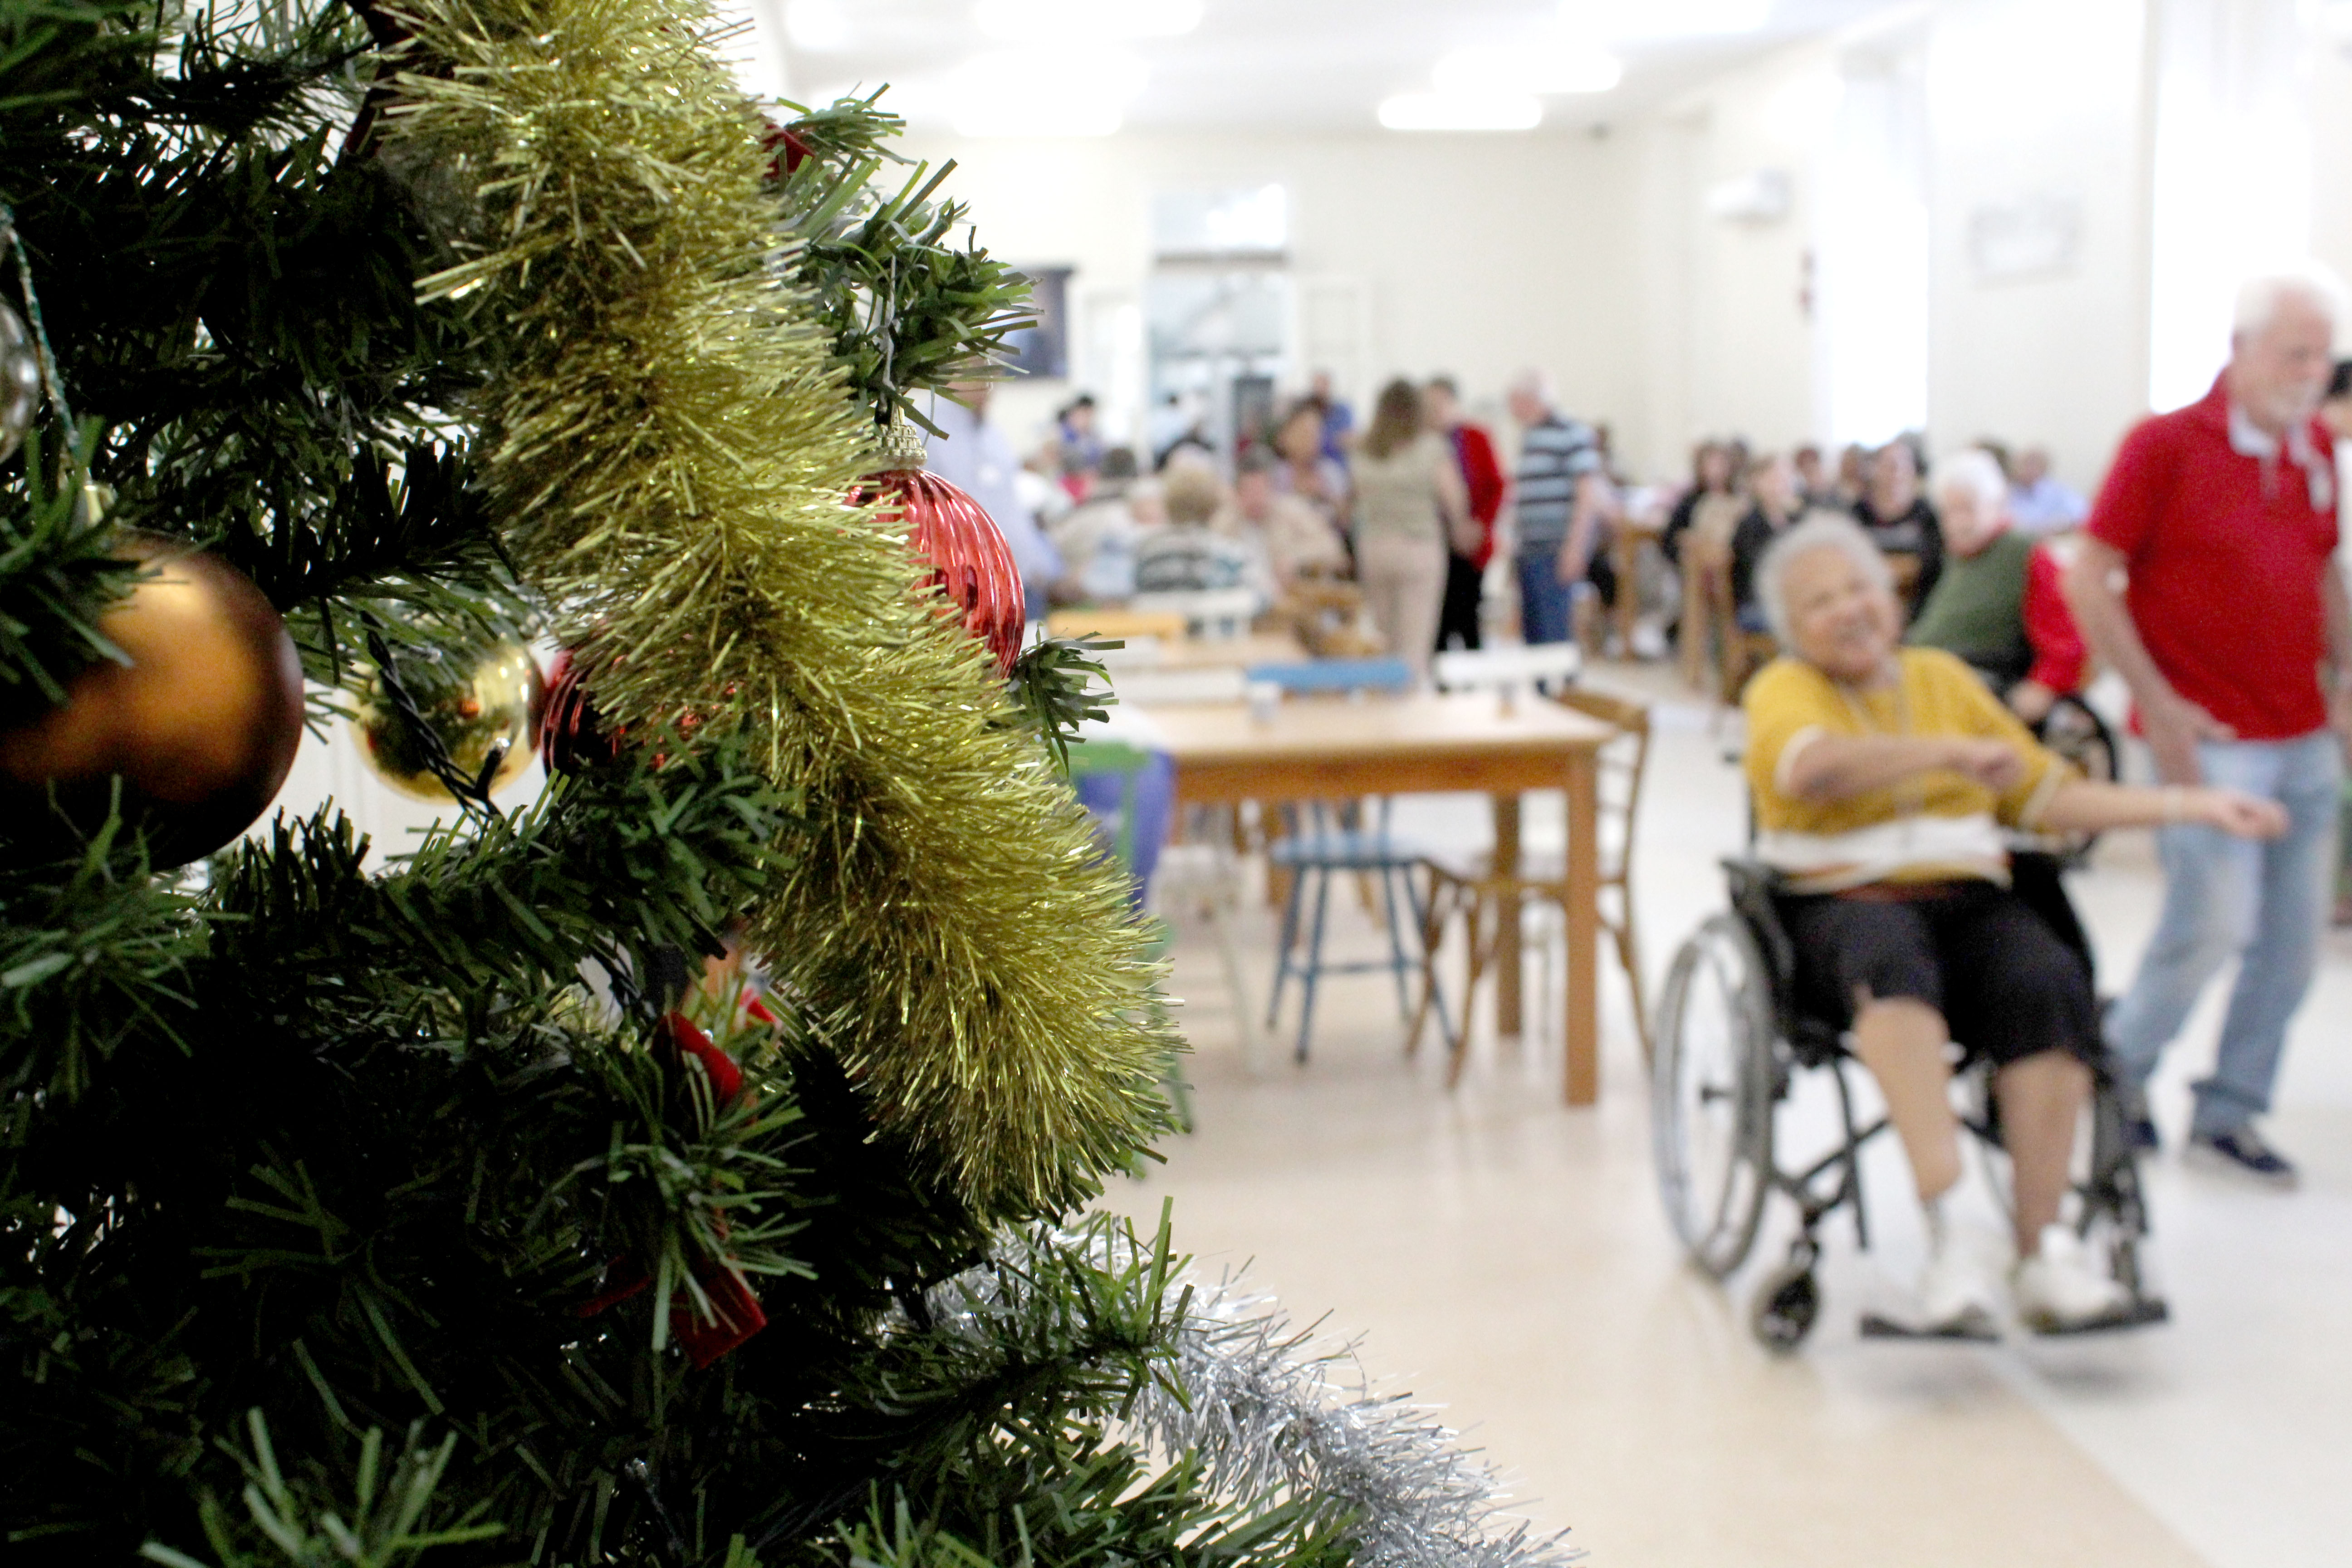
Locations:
(1884, 779)
(2001, 601)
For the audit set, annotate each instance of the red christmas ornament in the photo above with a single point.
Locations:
(572, 736)
(736, 1313)
(970, 563)
(790, 150)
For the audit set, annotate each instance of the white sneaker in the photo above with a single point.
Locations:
(2060, 1288)
(1958, 1294)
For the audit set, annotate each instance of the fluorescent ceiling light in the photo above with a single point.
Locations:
(819, 25)
(1487, 110)
(1545, 68)
(1628, 20)
(1074, 91)
(1038, 21)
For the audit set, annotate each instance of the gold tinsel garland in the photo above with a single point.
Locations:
(672, 454)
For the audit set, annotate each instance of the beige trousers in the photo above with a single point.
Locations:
(1403, 582)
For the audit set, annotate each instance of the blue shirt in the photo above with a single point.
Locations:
(977, 458)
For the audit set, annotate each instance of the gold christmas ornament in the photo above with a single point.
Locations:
(202, 724)
(476, 700)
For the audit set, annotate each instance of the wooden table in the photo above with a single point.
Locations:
(1340, 750)
(1227, 653)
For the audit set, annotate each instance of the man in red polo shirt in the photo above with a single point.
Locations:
(2235, 636)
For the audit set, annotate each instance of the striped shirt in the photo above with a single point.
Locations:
(1553, 456)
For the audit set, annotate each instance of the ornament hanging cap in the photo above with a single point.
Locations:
(901, 444)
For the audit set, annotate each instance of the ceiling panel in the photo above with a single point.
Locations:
(1291, 64)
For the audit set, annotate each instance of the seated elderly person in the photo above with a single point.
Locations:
(2001, 602)
(1884, 777)
(1186, 554)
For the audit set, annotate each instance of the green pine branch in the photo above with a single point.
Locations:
(909, 310)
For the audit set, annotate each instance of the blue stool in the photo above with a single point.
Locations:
(1325, 847)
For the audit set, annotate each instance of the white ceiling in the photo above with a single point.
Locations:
(1255, 64)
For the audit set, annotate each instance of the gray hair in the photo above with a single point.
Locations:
(1534, 384)
(1817, 530)
(2313, 282)
(1975, 470)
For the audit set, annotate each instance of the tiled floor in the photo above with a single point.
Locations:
(1504, 1257)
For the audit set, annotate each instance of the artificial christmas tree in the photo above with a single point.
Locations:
(466, 1205)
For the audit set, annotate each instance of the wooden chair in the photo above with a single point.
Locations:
(1322, 613)
(1738, 652)
(1476, 889)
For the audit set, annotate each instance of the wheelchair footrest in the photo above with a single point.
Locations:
(2138, 1315)
(1971, 1330)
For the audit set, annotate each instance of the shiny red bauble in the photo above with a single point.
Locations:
(970, 563)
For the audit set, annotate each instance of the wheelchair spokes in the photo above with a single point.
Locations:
(1712, 1095)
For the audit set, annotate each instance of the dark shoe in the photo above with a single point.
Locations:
(2241, 1150)
(2140, 1133)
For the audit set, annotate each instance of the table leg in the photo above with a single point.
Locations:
(1627, 547)
(1507, 921)
(1582, 979)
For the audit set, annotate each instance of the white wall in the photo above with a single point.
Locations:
(1595, 258)
(2331, 141)
(1728, 328)
(1478, 255)
(2057, 357)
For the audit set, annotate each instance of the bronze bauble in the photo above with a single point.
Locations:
(473, 698)
(201, 725)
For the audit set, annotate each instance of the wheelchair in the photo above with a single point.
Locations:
(1731, 1039)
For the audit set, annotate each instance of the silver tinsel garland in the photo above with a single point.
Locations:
(1269, 1411)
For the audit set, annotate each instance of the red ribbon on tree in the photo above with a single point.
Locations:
(736, 1311)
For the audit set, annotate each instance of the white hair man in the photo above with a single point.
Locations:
(2235, 636)
(2001, 601)
(1560, 494)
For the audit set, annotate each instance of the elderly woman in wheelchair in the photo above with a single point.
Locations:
(1886, 779)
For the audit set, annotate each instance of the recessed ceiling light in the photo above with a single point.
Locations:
(1034, 20)
(1553, 68)
(1487, 110)
(818, 25)
(1644, 19)
(1068, 91)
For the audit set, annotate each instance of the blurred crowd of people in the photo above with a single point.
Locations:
(1402, 515)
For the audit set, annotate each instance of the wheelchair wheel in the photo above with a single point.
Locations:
(1712, 1092)
(2077, 733)
(1787, 1302)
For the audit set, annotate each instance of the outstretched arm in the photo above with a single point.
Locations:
(2082, 805)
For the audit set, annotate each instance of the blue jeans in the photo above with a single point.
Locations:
(2265, 904)
(1543, 599)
